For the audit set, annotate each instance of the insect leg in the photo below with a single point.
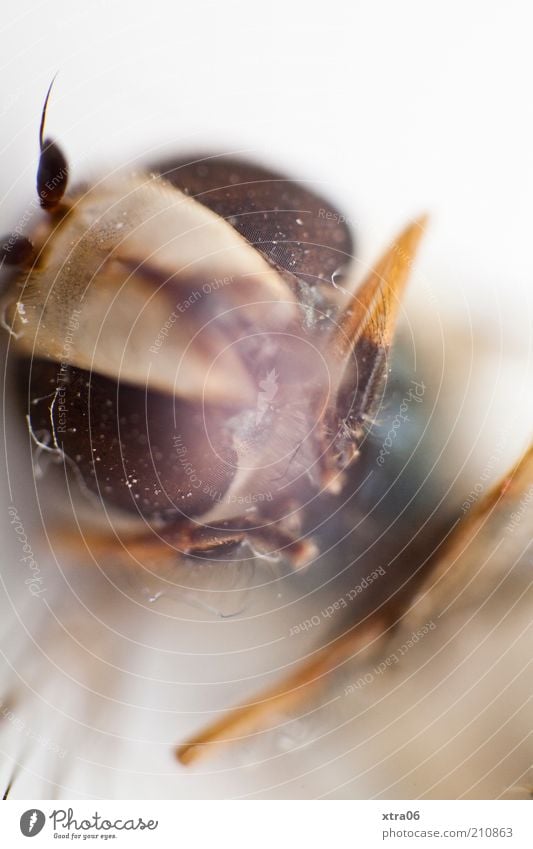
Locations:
(311, 675)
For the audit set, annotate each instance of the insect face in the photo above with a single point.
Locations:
(186, 350)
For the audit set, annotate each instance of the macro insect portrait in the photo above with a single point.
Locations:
(268, 475)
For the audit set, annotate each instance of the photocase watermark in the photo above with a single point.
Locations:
(416, 393)
(32, 822)
(182, 306)
(486, 475)
(34, 582)
(197, 483)
(341, 603)
(330, 215)
(66, 824)
(64, 819)
(391, 659)
(268, 389)
(21, 227)
(59, 402)
(60, 177)
(518, 515)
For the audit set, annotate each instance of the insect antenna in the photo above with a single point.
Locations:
(52, 173)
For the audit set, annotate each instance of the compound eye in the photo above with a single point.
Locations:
(16, 250)
(52, 175)
(142, 451)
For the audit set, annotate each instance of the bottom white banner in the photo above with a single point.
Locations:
(268, 824)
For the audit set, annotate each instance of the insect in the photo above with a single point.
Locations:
(194, 348)
(184, 293)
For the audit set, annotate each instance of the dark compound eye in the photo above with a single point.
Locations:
(16, 250)
(298, 231)
(143, 451)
